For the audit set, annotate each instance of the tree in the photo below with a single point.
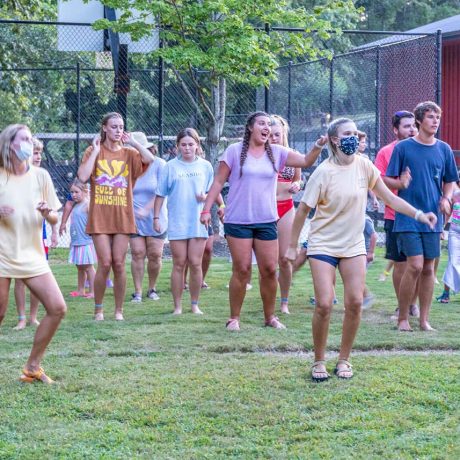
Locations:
(226, 40)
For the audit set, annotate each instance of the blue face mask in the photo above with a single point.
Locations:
(26, 149)
(349, 145)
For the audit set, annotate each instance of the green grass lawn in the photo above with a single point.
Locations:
(161, 386)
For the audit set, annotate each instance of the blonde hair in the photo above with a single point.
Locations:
(81, 185)
(362, 135)
(37, 145)
(332, 131)
(7, 137)
(105, 120)
(278, 120)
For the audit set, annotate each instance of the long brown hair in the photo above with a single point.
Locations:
(105, 120)
(247, 135)
(190, 132)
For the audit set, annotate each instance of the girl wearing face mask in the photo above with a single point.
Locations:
(185, 180)
(338, 189)
(27, 196)
(113, 169)
(251, 168)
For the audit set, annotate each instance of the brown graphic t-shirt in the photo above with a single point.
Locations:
(112, 183)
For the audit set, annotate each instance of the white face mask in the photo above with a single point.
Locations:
(26, 149)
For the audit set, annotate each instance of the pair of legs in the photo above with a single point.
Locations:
(146, 247)
(20, 298)
(45, 288)
(285, 268)
(266, 252)
(353, 273)
(111, 254)
(205, 263)
(187, 253)
(418, 277)
(85, 273)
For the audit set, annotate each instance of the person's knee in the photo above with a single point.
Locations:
(59, 309)
(267, 271)
(428, 270)
(242, 272)
(353, 305)
(137, 255)
(284, 263)
(104, 265)
(323, 308)
(415, 268)
(118, 266)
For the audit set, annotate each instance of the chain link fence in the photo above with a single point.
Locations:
(61, 79)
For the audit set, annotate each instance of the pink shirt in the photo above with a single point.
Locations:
(252, 197)
(382, 160)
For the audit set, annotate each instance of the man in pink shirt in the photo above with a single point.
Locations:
(403, 127)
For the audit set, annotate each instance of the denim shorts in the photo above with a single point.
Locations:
(391, 243)
(265, 232)
(162, 236)
(423, 244)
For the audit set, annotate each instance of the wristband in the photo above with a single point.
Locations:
(155, 218)
(417, 215)
(205, 212)
(318, 146)
(222, 206)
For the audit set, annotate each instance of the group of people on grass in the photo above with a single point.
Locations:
(137, 199)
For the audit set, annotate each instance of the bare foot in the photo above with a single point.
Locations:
(177, 311)
(21, 325)
(34, 322)
(196, 310)
(119, 316)
(404, 326)
(284, 308)
(426, 327)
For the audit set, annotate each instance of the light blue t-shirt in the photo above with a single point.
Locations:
(430, 166)
(144, 191)
(78, 221)
(181, 181)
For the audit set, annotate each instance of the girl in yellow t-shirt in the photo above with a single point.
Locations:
(27, 196)
(338, 188)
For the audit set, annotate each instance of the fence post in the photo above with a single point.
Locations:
(331, 89)
(289, 92)
(160, 102)
(438, 72)
(267, 88)
(77, 141)
(377, 101)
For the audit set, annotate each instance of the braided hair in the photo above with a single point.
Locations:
(247, 134)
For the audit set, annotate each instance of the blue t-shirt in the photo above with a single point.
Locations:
(143, 192)
(78, 221)
(181, 181)
(430, 166)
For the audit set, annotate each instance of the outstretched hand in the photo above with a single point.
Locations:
(322, 141)
(291, 254)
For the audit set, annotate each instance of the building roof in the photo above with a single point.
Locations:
(449, 27)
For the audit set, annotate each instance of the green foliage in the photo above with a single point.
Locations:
(32, 9)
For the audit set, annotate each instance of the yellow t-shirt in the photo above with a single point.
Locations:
(21, 246)
(339, 194)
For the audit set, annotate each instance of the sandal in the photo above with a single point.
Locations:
(37, 376)
(346, 369)
(76, 294)
(233, 324)
(319, 375)
(275, 323)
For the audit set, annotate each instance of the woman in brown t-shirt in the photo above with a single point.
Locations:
(112, 169)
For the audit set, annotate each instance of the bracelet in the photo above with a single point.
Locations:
(222, 206)
(417, 215)
(155, 218)
(205, 212)
(318, 146)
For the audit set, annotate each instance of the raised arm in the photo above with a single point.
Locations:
(297, 160)
(146, 155)
(87, 166)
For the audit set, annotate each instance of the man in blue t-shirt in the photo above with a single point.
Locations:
(433, 172)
